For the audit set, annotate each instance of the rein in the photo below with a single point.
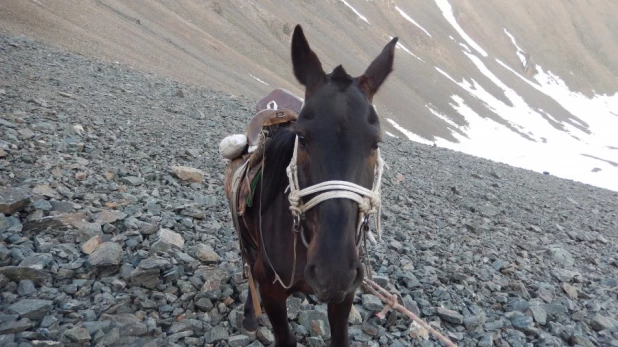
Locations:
(369, 204)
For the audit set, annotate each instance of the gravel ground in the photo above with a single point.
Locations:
(111, 237)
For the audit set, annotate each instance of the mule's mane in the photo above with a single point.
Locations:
(278, 154)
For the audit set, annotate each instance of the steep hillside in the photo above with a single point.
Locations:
(521, 82)
(103, 244)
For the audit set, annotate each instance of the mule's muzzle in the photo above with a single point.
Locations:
(330, 283)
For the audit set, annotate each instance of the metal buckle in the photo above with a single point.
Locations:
(296, 226)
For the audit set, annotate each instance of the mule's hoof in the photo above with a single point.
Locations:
(251, 334)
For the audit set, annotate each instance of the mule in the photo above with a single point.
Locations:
(333, 146)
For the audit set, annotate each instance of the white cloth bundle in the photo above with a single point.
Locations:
(232, 146)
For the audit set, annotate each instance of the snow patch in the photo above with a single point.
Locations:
(355, 11)
(447, 12)
(399, 45)
(553, 150)
(259, 80)
(409, 19)
(410, 135)
(391, 135)
(520, 52)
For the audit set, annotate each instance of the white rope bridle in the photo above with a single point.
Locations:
(369, 204)
(369, 201)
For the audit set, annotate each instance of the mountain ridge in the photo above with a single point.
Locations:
(460, 70)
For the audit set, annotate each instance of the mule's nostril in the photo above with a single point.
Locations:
(312, 272)
(360, 274)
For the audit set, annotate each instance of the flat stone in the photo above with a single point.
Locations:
(132, 180)
(127, 324)
(42, 204)
(450, 315)
(92, 244)
(265, 336)
(239, 341)
(147, 278)
(32, 308)
(26, 287)
(215, 334)
(95, 326)
(5, 223)
(194, 152)
(472, 322)
(77, 334)
(26, 133)
(570, 290)
(17, 273)
(539, 314)
(188, 174)
(13, 327)
(60, 222)
(204, 304)
(488, 210)
(62, 206)
(554, 309)
(154, 262)
(599, 323)
(36, 261)
(315, 341)
(372, 302)
(305, 318)
(355, 317)
(14, 199)
(184, 257)
(561, 256)
(166, 240)
(108, 253)
(206, 254)
(105, 217)
(45, 190)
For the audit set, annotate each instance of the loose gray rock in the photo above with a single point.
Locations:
(450, 315)
(14, 199)
(239, 341)
(77, 334)
(19, 273)
(127, 324)
(599, 323)
(216, 334)
(13, 327)
(206, 254)
(372, 302)
(26, 287)
(108, 253)
(561, 256)
(132, 180)
(32, 308)
(265, 336)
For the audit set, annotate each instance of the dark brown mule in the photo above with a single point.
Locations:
(338, 132)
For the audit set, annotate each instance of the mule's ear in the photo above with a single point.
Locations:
(378, 70)
(307, 66)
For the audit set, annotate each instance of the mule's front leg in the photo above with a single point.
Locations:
(338, 319)
(274, 300)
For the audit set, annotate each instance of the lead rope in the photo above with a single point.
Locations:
(369, 204)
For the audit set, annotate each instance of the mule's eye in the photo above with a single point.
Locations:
(375, 147)
(301, 141)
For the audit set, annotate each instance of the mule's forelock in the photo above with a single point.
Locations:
(341, 78)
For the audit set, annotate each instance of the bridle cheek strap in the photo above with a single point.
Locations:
(369, 201)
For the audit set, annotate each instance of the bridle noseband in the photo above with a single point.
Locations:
(369, 201)
(369, 204)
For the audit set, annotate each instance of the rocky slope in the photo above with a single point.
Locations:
(104, 244)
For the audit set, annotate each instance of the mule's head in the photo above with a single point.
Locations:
(338, 134)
